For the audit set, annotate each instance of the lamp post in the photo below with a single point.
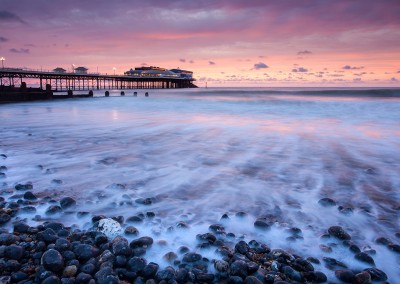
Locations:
(73, 68)
(2, 62)
(114, 69)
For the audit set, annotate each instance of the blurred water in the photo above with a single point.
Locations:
(202, 153)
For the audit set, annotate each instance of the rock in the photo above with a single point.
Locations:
(221, 265)
(70, 271)
(120, 246)
(376, 274)
(292, 274)
(62, 245)
(130, 230)
(363, 278)
(181, 275)
(362, 256)
(106, 276)
(339, 232)
(136, 264)
(48, 235)
(191, 257)
(84, 252)
(51, 280)
(144, 201)
(53, 209)
(67, 202)
(26, 186)
(394, 247)
(18, 277)
(134, 219)
(21, 227)
(252, 280)
(29, 196)
(345, 275)
(302, 265)
(382, 241)
(170, 256)
(239, 268)
(217, 229)
(4, 218)
(150, 270)
(315, 277)
(262, 223)
(332, 263)
(165, 274)
(109, 227)
(142, 242)
(83, 278)
(327, 202)
(235, 280)
(242, 247)
(14, 252)
(52, 260)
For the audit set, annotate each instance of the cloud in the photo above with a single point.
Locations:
(398, 71)
(3, 39)
(182, 60)
(211, 62)
(348, 67)
(6, 16)
(191, 61)
(300, 69)
(260, 65)
(21, 50)
(304, 52)
(357, 79)
(393, 79)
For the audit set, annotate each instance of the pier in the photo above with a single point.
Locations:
(62, 81)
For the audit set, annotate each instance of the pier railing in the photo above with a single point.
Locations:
(62, 81)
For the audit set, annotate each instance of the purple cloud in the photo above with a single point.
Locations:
(3, 39)
(304, 52)
(300, 69)
(393, 79)
(6, 16)
(260, 65)
(211, 62)
(182, 60)
(348, 67)
(21, 50)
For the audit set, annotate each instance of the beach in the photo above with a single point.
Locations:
(210, 185)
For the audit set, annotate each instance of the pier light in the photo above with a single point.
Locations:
(114, 69)
(2, 62)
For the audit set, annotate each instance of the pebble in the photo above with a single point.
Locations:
(339, 232)
(109, 227)
(67, 202)
(362, 256)
(363, 278)
(52, 260)
(327, 202)
(345, 275)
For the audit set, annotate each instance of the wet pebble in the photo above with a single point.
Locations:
(67, 202)
(327, 202)
(339, 232)
(362, 256)
(345, 275)
(52, 260)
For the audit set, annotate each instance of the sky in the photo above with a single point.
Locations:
(225, 42)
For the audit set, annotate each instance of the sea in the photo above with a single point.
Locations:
(192, 155)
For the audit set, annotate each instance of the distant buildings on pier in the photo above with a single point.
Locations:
(153, 71)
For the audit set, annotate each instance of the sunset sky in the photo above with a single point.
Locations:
(224, 42)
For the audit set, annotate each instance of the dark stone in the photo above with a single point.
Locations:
(252, 267)
(339, 232)
(100, 239)
(14, 252)
(144, 201)
(394, 247)
(85, 251)
(120, 246)
(191, 257)
(88, 268)
(242, 247)
(18, 276)
(252, 280)
(345, 275)
(315, 277)
(62, 245)
(302, 265)
(165, 274)
(332, 263)
(207, 237)
(150, 270)
(51, 280)
(239, 268)
(26, 186)
(217, 229)
(134, 219)
(376, 274)
(181, 275)
(291, 273)
(382, 241)
(262, 223)
(313, 260)
(21, 227)
(142, 242)
(83, 278)
(4, 218)
(53, 209)
(136, 264)
(235, 280)
(68, 255)
(327, 202)
(204, 277)
(362, 256)
(48, 235)
(52, 260)
(363, 278)
(106, 276)
(29, 196)
(67, 202)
